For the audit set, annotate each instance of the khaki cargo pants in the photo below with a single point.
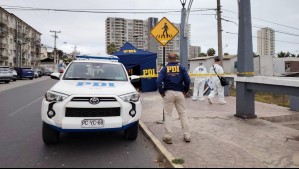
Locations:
(175, 99)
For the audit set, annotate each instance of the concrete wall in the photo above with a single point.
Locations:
(266, 65)
(279, 64)
(263, 65)
(256, 64)
(229, 65)
(208, 63)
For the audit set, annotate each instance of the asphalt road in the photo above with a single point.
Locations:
(21, 142)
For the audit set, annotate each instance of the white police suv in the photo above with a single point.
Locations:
(91, 96)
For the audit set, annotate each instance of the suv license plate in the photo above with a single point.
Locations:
(96, 123)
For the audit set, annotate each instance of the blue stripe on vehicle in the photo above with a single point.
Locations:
(90, 130)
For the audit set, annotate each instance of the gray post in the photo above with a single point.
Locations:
(245, 97)
(219, 27)
(294, 104)
(183, 40)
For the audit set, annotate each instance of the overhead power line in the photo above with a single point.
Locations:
(265, 20)
(264, 38)
(261, 27)
(122, 11)
(104, 9)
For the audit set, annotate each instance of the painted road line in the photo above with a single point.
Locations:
(19, 110)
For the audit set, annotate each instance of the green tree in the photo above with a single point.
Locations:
(60, 54)
(211, 52)
(226, 54)
(202, 55)
(283, 55)
(111, 48)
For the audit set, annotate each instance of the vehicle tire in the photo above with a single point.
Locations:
(31, 78)
(50, 136)
(14, 80)
(132, 132)
(7, 82)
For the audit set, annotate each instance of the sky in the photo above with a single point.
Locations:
(87, 30)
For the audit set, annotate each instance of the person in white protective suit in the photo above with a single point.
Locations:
(218, 89)
(199, 83)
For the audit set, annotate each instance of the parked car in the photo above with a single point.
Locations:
(14, 75)
(24, 73)
(36, 74)
(5, 74)
(39, 72)
(48, 71)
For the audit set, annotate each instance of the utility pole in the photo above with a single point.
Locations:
(183, 33)
(245, 98)
(56, 60)
(219, 26)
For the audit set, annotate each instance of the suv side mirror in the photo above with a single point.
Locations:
(55, 76)
(135, 78)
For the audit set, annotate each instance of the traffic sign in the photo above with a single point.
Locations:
(164, 31)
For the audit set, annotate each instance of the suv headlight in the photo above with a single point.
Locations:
(132, 97)
(55, 97)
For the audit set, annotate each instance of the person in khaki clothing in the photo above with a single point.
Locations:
(174, 83)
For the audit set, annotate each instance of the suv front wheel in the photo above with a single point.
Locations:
(132, 132)
(50, 136)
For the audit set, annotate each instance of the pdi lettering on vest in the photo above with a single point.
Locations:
(95, 84)
(173, 69)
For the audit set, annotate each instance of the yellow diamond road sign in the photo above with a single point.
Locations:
(164, 31)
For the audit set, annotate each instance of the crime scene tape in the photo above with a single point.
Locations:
(202, 75)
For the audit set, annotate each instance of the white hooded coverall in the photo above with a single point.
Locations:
(199, 83)
(218, 89)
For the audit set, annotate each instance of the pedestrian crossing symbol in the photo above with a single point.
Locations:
(164, 31)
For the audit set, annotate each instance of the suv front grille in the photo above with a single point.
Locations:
(92, 112)
(86, 99)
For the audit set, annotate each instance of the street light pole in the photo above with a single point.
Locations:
(55, 55)
(184, 33)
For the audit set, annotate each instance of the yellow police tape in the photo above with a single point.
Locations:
(202, 75)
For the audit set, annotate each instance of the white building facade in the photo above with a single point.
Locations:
(266, 42)
(19, 42)
(137, 32)
(194, 51)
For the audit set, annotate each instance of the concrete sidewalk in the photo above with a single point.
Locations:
(221, 140)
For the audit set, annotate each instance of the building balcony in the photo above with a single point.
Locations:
(3, 33)
(37, 43)
(35, 60)
(3, 21)
(2, 57)
(3, 46)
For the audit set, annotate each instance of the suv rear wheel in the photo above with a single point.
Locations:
(50, 136)
(132, 132)
(6, 81)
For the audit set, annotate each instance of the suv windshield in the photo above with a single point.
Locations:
(95, 71)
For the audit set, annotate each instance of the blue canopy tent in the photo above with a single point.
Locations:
(139, 61)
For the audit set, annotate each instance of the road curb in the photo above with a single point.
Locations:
(159, 146)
